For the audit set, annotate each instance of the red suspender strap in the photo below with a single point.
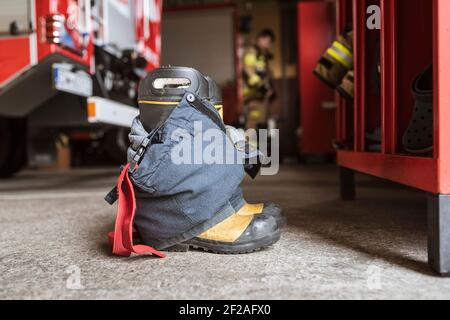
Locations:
(122, 237)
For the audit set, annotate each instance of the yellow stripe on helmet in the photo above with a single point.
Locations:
(160, 103)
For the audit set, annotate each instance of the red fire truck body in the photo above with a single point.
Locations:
(69, 67)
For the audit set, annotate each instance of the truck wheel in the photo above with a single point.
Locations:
(5, 147)
(116, 143)
(12, 148)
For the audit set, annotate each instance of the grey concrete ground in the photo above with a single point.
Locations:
(54, 226)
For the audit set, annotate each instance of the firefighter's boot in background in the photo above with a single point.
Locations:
(182, 203)
(336, 62)
(418, 138)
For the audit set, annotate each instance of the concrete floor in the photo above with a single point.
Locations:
(54, 226)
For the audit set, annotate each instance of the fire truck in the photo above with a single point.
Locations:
(69, 72)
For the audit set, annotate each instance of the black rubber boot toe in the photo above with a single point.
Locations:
(274, 210)
(262, 232)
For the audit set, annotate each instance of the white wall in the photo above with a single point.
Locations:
(201, 39)
(13, 10)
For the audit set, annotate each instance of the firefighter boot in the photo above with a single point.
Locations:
(179, 202)
(268, 209)
(418, 138)
(336, 62)
(238, 234)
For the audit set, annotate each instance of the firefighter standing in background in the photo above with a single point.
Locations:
(258, 89)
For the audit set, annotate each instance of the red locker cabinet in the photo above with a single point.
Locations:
(315, 33)
(413, 33)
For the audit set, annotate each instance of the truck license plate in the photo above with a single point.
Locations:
(76, 82)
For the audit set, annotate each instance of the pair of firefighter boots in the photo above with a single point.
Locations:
(180, 205)
(335, 68)
(418, 138)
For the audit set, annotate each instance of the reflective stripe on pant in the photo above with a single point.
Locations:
(256, 114)
(343, 55)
